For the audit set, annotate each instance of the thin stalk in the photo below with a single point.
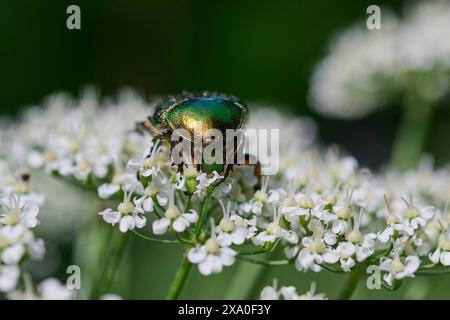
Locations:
(183, 271)
(179, 280)
(264, 262)
(111, 266)
(352, 283)
(330, 269)
(187, 204)
(203, 217)
(140, 235)
(252, 252)
(411, 136)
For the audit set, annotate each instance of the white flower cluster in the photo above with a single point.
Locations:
(290, 293)
(19, 209)
(322, 209)
(365, 68)
(41, 139)
(85, 140)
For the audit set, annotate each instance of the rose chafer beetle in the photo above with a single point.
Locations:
(209, 110)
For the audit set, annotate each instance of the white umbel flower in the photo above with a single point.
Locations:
(212, 256)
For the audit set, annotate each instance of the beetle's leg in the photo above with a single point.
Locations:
(250, 160)
(147, 126)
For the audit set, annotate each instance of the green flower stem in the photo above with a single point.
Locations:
(203, 217)
(187, 204)
(140, 235)
(264, 262)
(331, 269)
(111, 265)
(411, 135)
(352, 282)
(252, 252)
(179, 279)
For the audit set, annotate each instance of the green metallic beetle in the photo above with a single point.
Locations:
(211, 110)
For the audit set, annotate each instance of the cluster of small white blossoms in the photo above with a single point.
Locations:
(321, 208)
(325, 211)
(84, 140)
(41, 139)
(289, 293)
(19, 209)
(365, 68)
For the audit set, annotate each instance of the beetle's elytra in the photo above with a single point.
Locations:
(212, 111)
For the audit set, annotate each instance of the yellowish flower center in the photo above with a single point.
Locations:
(353, 181)
(261, 196)
(212, 246)
(49, 156)
(125, 207)
(130, 148)
(162, 156)
(331, 199)
(150, 163)
(75, 146)
(444, 242)
(318, 188)
(117, 179)
(13, 217)
(397, 265)
(226, 225)
(83, 165)
(344, 213)
(151, 191)
(306, 203)
(273, 228)
(21, 187)
(172, 212)
(392, 219)
(302, 182)
(355, 236)
(290, 202)
(412, 212)
(3, 243)
(190, 172)
(317, 246)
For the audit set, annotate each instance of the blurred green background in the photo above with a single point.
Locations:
(262, 51)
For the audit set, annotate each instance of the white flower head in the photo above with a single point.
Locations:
(273, 231)
(126, 215)
(14, 210)
(174, 218)
(399, 267)
(211, 256)
(234, 229)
